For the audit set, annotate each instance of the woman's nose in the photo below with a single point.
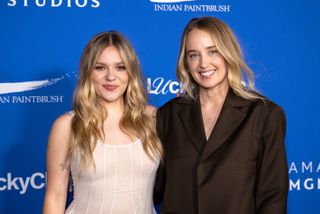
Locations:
(204, 61)
(110, 75)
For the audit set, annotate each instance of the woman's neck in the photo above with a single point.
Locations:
(213, 96)
(115, 108)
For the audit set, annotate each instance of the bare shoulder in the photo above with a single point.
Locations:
(61, 130)
(151, 110)
(63, 120)
(62, 124)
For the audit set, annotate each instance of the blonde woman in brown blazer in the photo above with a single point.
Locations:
(223, 142)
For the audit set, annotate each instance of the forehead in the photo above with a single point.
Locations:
(110, 53)
(199, 39)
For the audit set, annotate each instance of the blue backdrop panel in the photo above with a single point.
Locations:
(40, 46)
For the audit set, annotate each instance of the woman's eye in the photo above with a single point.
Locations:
(121, 68)
(213, 52)
(99, 68)
(193, 56)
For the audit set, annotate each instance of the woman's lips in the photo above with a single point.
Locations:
(110, 87)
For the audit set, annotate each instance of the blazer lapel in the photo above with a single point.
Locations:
(233, 112)
(192, 122)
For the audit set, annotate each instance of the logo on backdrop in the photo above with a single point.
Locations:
(189, 6)
(304, 175)
(54, 3)
(20, 87)
(36, 181)
(160, 86)
(21, 184)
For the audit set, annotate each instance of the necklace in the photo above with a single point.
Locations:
(210, 116)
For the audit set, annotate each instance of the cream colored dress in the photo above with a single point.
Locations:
(122, 182)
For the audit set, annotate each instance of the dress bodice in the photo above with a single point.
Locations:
(121, 182)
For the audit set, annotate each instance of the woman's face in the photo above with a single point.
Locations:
(109, 76)
(206, 65)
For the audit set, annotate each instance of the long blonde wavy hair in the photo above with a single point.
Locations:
(89, 112)
(240, 76)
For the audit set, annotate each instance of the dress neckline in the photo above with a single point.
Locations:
(137, 141)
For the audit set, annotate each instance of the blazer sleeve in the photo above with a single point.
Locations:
(159, 185)
(272, 169)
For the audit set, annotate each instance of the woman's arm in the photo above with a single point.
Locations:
(159, 185)
(57, 166)
(272, 178)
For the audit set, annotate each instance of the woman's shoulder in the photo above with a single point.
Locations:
(177, 102)
(63, 122)
(60, 131)
(257, 102)
(150, 110)
(267, 106)
(65, 118)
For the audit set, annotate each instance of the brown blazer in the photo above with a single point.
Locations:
(241, 169)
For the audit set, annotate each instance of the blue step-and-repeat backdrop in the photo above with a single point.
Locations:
(40, 46)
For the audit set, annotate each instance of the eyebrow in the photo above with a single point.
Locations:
(118, 63)
(213, 46)
(207, 48)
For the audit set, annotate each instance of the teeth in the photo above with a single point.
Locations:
(207, 73)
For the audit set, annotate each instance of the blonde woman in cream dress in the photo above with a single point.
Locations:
(108, 141)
